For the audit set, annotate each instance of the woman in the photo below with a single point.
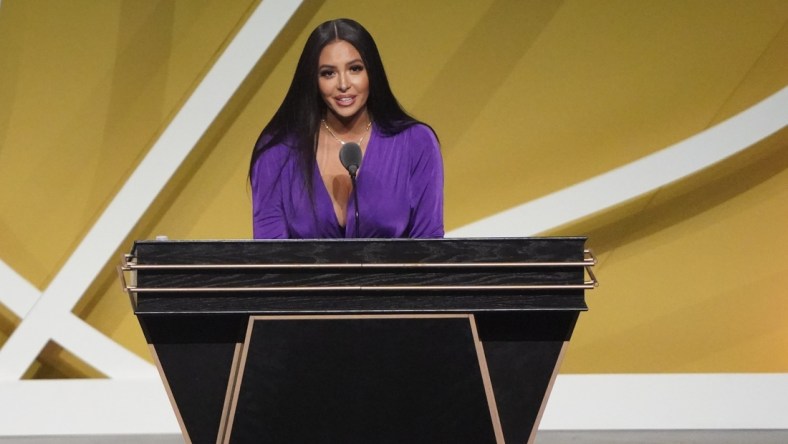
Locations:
(339, 94)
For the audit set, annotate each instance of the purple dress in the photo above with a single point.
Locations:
(400, 192)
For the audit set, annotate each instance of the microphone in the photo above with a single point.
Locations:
(350, 156)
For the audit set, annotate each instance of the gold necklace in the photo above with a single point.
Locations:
(366, 130)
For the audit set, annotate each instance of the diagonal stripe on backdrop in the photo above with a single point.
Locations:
(639, 177)
(50, 317)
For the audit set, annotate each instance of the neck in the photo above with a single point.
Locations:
(355, 124)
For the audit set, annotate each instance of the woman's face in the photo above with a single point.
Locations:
(343, 81)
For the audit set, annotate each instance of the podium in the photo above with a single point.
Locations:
(359, 341)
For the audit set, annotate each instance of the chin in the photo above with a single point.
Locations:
(345, 114)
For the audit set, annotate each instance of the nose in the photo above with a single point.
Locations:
(343, 84)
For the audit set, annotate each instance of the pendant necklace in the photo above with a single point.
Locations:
(342, 142)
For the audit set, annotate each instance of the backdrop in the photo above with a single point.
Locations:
(529, 98)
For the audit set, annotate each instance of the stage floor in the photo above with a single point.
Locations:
(543, 437)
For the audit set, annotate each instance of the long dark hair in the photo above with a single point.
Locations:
(297, 121)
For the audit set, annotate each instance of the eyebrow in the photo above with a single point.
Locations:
(348, 63)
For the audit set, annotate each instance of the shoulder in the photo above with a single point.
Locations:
(421, 131)
(276, 153)
(422, 141)
(416, 138)
(419, 144)
(271, 162)
(280, 151)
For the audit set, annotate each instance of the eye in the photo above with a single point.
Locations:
(326, 73)
(357, 68)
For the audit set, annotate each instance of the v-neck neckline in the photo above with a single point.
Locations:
(351, 204)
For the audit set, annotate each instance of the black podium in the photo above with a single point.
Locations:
(359, 341)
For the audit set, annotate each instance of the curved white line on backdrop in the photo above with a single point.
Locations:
(50, 316)
(636, 178)
(162, 422)
(133, 401)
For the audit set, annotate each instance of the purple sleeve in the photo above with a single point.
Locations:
(426, 190)
(268, 219)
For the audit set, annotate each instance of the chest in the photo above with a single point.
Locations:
(383, 194)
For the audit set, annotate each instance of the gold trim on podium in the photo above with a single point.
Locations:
(130, 266)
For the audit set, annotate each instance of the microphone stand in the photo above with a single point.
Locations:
(355, 199)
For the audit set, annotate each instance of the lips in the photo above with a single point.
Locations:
(345, 100)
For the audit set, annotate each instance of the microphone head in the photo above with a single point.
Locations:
(350, 156)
